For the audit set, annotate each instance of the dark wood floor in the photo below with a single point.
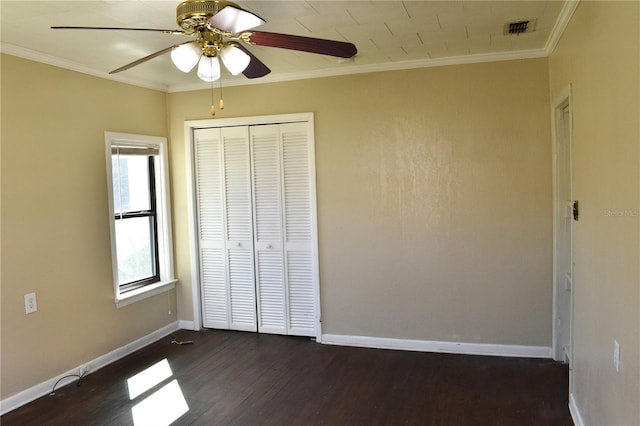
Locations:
(249, 379)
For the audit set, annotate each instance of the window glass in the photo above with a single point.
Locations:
(135, 249)
(130, 183)
(135, 218)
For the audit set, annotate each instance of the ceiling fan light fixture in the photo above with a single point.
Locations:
(234, 59)
(186, 56)
(209, 68)
(219, 26)
(235, 20)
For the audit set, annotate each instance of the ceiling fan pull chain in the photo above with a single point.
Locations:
(221, 100)
(212, 110)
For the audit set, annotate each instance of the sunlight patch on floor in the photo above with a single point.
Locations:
(145, 380)
(161, 408)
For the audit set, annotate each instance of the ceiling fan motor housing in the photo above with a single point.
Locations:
(193, 15)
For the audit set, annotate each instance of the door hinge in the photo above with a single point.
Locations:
(576, 210)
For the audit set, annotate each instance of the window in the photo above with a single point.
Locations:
(134, 205)
(139, 216)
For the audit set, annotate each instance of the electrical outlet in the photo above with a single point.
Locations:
(616, 355)
(30, 304)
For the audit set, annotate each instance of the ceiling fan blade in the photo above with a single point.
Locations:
(146, 58)
(340, 49)
(159, 30)
(256, 68)
(234, 20)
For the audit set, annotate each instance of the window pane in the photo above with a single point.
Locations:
(135, 249)
(130, 183)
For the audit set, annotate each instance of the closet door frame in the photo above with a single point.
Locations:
(189, 127)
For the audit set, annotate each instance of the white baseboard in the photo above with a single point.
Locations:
(186, 325)
(575, 411)
(435, 346)
(39, 390)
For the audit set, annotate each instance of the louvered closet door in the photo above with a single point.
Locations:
(212, 240)
(239, 228)
(258, 254)
(298, 184)
(283, 223)
(225, 228)
(268, 236)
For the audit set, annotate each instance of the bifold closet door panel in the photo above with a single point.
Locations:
(211, 233)
(239, 228)
(298, 183)
(268, 237)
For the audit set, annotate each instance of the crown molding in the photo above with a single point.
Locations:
(33, 55)
(561, 24)
(370, 68)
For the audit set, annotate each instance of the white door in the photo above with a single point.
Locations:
(283, 237)
(257, 229)
(239, 228)
(223, 188)
(268, 233)
(563, 235)
(211, 232)
(300, 254)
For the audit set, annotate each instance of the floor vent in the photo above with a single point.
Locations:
(520, 27)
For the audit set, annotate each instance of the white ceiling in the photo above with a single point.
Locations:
(388, 34)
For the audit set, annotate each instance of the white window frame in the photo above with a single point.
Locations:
(165, 242)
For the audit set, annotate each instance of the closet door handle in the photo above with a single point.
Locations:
(239, 244)
(269, 246)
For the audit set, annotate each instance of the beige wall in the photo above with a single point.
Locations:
(55, 229)
(598, 55)
(434, 198)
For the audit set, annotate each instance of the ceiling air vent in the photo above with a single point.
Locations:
(520, 27)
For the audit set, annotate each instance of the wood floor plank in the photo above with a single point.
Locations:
(236, 378)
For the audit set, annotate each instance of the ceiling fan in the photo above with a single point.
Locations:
(218, 27)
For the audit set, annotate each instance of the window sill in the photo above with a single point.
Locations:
(144, 292)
